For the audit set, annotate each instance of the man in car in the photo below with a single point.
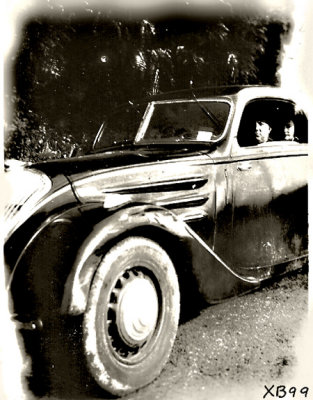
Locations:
(262, 132)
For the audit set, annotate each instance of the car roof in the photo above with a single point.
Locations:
(218, 91)
(198, 92)
(245, 92)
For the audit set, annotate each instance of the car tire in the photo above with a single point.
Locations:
(132, 314)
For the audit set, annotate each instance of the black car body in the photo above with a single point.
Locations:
(188, 203)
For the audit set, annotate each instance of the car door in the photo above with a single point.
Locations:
(269, 193)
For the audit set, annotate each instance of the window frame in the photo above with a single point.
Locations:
(140, 137)
(277, 142)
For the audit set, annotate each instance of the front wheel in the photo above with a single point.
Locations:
(132, 316)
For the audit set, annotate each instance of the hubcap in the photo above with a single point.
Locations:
(137, 309)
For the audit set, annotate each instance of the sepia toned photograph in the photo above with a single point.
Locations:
(155, 200)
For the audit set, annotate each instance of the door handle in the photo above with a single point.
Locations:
(244, 166)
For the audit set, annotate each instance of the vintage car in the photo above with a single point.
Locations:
(178, 200)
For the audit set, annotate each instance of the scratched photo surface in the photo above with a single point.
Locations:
(155, 200)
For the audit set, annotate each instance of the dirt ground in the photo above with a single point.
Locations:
(230, 350)
(246, 342)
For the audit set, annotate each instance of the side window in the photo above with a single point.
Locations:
(270, 120)
(203, 121)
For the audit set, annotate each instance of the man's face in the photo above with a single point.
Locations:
(262, 131)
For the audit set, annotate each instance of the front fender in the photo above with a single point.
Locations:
(55, 270)
(105, 232)
(215, 279)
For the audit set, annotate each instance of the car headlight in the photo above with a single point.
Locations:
(24, 189)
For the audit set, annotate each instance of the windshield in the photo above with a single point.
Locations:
(169, 122)
(119, 127)
(187, 121)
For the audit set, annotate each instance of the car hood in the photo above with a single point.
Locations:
(117, 158)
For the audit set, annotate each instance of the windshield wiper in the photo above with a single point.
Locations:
(98, 135)
(206, 111)
(113, 145)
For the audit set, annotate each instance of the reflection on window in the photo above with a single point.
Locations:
(270, 120)
(203, 121)
(121, 126)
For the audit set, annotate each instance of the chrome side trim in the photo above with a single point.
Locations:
(198, 238)
(166, 186)
(192, 201)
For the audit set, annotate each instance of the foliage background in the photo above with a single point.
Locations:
(70, 69)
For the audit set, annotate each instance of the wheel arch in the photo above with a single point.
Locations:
(154, 223)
